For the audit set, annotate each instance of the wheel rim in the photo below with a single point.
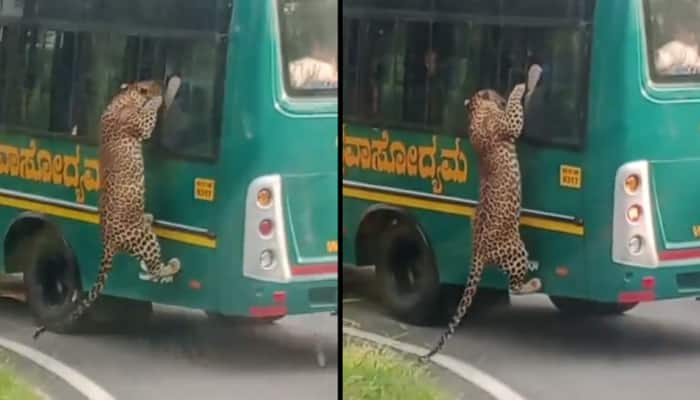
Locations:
(404, 261)
(55, 280)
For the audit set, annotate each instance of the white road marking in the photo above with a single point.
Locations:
(80, 382)
(489, 384)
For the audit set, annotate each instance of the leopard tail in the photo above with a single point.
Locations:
(464, 304)
(86, 302)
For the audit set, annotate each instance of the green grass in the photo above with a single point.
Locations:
(370, 373)
(13, 388)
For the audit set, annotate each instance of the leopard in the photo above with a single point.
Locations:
(494, 126)
(129, 118)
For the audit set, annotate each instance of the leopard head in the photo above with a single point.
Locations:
(133, 111)
(484, 97)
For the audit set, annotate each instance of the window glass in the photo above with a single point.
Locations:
(519, 8)
(11, 8)
(418, 68)
(309, 30)
(41, 70)
(378, 100)
(351, 32)
(201, 15)
(422, 5)
(673, 39)
(555, 106)
(459, 46)
(101, 72)
(191, 125)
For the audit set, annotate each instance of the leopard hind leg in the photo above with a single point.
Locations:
(147, 250)
(515, 266)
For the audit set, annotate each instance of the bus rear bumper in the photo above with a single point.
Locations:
(645, 284)
(273, 300)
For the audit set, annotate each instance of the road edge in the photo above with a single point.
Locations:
(72, 377)
(468, 372)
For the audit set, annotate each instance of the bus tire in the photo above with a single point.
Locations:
(237, 320)
(51, 277)
(573, 306)
(407, 277)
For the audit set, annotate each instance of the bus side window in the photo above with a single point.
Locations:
(378, 72)
(419, 63)
(351, 32)
(3, 71)
(458, 45)
(191, 125)
(100, 74)
(554, 113)
(41, 72)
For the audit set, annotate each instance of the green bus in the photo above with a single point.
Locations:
(607, 154)
(229, 177)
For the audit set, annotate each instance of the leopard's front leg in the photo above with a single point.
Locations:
(515, 117)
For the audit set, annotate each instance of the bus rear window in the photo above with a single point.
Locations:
(673, 38)
(309, 30)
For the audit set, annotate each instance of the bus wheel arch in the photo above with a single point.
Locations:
(407, 276)
(36, 247)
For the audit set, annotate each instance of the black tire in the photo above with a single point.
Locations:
(587, 307)
(407, 278)
(236, 320)
(51, 277)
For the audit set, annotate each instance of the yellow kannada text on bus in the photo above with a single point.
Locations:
(394, 157)
(40, 165)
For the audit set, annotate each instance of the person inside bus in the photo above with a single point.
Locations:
(436, 80)
(679, 56)
(319, 68)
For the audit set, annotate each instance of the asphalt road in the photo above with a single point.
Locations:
(651, 352)
(183, 355)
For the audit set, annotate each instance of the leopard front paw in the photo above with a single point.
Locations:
(518, 91)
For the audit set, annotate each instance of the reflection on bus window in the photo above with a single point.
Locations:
(673, 37)
(309, 30)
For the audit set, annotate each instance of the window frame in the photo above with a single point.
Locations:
(584, 26)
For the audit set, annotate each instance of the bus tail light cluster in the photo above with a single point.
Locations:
(633, 230)
(265, 242)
